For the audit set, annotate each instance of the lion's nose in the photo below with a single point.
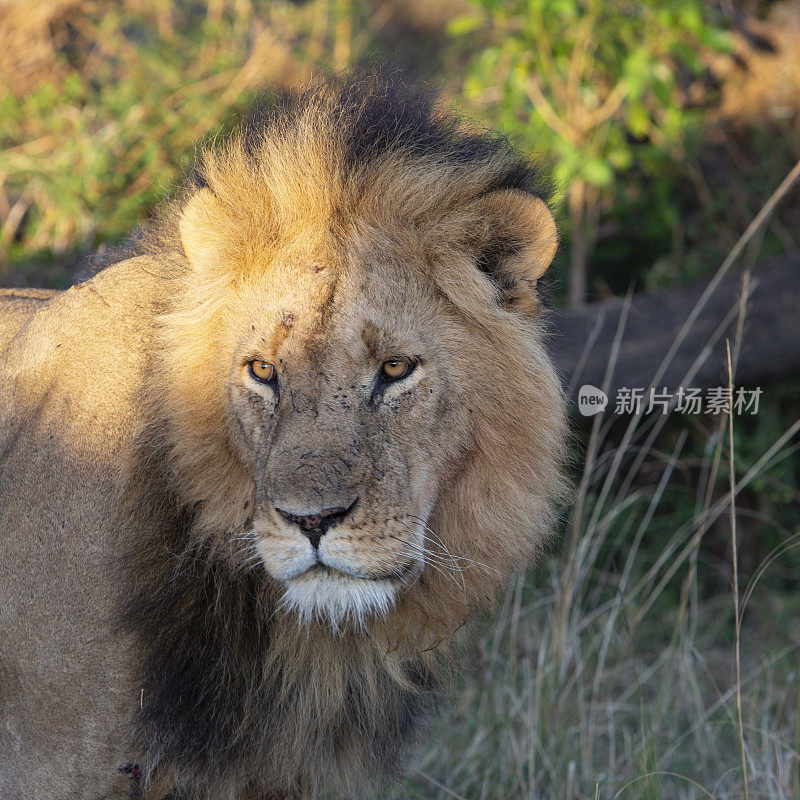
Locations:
(314, 526)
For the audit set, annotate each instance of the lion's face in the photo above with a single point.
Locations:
(366, 397)
(344, 390)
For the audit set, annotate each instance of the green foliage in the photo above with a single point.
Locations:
(590, 81)
(601, 87)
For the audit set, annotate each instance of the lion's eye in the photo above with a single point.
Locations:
(395, 369)
(262, 371)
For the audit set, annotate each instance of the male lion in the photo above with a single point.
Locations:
(254, 477)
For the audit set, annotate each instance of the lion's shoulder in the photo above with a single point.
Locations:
(104, 310)
(71, 362)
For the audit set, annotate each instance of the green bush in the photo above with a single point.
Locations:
(604, 89)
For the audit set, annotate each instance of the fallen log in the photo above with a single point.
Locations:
(583, 340)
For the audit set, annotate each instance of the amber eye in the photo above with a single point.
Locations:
(262, 371)
(396, 368)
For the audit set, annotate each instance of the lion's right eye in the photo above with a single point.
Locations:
(396, 368)
(262, 371)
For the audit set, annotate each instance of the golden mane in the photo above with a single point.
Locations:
(364, 163)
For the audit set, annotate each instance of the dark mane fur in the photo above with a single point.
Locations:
(375, 115)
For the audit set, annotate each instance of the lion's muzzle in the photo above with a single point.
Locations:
(339, 563)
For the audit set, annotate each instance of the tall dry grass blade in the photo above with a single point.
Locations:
(739, 308)
(759, 219)
(594, 438)
(784, 547)
(664, 773)
(431, 779)
(735, 558)
(705, 519)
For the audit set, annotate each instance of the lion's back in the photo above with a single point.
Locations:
(69, 367)
(16, 306)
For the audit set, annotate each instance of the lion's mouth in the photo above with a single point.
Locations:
(401, 574)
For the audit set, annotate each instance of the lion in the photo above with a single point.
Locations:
(258, 474)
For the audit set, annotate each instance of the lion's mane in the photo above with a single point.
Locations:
(233, 688)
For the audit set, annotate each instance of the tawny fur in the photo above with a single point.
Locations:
(354, 226)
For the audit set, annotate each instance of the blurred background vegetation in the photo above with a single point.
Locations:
(667, 122)
(666, 125)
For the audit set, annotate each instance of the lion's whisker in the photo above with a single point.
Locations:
(446, 554)
(437, 563)
(429, 555)
(470, 561)
(426, 529)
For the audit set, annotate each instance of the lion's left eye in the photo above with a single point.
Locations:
(396, 368)
(262, 371)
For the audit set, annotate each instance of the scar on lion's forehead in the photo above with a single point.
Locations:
(282, 331)
(371, 337)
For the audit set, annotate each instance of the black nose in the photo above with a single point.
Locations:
(314, 526)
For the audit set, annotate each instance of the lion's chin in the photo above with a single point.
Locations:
(327, 595)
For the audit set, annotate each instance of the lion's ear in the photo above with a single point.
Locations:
(519, 245)
(199, 230)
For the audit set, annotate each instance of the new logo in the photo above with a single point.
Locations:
(591, 400)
